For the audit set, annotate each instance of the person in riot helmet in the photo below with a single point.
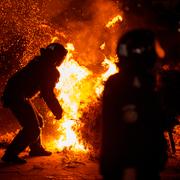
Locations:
(133, 143)
(38, 76)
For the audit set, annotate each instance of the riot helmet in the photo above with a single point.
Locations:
(54, 52)
(138, 50)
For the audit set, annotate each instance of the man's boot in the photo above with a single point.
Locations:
(36, 149)
(12, 158)
(39, 151)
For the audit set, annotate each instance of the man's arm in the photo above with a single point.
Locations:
(47, 92)
(52, 102)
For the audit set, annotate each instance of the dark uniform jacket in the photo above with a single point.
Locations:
(132, 117)
(39, 75)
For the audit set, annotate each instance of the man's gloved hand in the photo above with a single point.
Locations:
(59, 115)
(41, 120)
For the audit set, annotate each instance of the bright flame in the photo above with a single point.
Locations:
(69, 137)
(111, 66)
(114, 20)
(72, 75)
(102, 47)
(54, 39)
(111, 69)
(77, 84)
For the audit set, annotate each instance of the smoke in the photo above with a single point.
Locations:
(85, 26)
(75, 10)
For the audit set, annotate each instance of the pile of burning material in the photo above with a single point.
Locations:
(79, 92)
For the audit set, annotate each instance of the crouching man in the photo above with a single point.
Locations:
(38, 76)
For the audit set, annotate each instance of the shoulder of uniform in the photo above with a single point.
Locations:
(57, 73)
(33, 62)
(54, 75)
(114, 79)
(112, 85)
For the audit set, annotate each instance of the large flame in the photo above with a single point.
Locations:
(70, 98)
(74, 86)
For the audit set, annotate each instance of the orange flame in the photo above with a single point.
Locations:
(114, 20)
(76, 84)
(111, 69)
(69, 138)
(102, 47)
(72, 75)
(54, 39)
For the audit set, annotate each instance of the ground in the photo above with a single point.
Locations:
(53, 168)
(50, 168)
(57, 166)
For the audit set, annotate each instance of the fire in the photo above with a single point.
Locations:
(72, 75)
(69, 137)
(114, 20)
(102, 47)
(111, 67)
(76, 84)
(54, 39)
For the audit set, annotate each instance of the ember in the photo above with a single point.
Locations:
(114, 21)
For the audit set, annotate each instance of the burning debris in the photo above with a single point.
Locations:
(115, 20)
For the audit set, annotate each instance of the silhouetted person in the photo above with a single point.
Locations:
(133, 143)
(38, 76)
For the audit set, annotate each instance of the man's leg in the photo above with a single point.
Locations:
(29, 133)
(36, 148)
